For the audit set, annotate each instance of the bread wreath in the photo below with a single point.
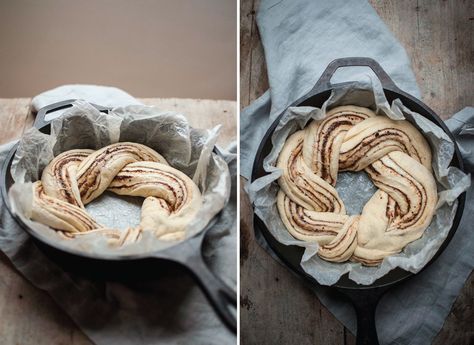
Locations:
(395, 156)
(76, 177)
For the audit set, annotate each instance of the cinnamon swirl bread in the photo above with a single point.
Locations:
(394, 154)
(76, 177)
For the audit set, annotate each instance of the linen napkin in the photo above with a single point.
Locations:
(172, 310)
(300, 38)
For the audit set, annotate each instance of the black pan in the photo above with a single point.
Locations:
(363, 298)
(144, 267)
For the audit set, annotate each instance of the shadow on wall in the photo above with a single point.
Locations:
(150, 48)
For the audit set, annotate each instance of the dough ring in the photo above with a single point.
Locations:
(395, 156)
(76, 177)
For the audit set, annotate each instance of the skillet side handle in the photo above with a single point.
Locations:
(365, 303)
(324, 81)
(40, 120)
(221, 297)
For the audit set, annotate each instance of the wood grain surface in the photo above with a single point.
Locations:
(276, 308)
(29, 316)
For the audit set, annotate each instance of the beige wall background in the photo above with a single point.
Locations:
(149, 48)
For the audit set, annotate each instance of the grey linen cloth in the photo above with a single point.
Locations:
(300, 38)
(172, 310)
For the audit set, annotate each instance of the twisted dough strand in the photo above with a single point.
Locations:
(172, 198)
(59, 214)
(59, 176)
(302, 185)
(323, 139)
(374, 138)
(95, 173)
(309, 225)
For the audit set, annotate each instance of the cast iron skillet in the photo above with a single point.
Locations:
(131, 268)
(363, 298)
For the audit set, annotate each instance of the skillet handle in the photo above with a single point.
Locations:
(222, 298)
(41, 121)
(189, 254)
(324, 81)
(365, 303)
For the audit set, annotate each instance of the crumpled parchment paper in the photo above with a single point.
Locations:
(355, 189)
(83, 126)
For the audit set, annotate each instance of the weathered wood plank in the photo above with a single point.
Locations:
(30, 119)
(258, 69)
(247, 17)
(13, 113)
(459, 326)
(203, 113)
(437, 36)
(349, 338)
(253, 72)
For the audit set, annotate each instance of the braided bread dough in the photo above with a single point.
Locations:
(172, 198)
(58, 178)
(395, 156)
(77, 177)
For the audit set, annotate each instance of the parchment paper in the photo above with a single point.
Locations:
(356, 188)
(83, 126)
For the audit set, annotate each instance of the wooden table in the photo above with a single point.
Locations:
(28, 315)
(438, 38)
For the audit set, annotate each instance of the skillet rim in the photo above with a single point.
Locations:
(394, 276)
(5, 173)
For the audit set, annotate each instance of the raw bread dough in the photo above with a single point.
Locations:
(396, 157)
(76, 177)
